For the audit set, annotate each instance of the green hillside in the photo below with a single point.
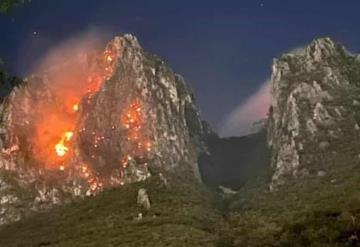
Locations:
(322, 210)
(180, 215)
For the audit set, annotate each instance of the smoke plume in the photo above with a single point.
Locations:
(239, 121)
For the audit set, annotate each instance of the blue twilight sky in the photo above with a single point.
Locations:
(224, 49)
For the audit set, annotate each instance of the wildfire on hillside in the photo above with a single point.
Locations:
(57, 122)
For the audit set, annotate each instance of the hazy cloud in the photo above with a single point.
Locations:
(256, 107)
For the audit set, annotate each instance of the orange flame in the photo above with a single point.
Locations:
(56, 125)
(75, 107)
(60, 148)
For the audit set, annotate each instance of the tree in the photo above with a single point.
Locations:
(7, 5)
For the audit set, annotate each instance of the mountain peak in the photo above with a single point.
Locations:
(323, 48)
(312, 108)
(97, 120)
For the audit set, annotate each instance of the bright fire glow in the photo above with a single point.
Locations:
(75, 107)
(57, 123)
(109, 58)
(60, 148)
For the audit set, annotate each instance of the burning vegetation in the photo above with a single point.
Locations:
(59, 138)
(94, 118)
(61, 147)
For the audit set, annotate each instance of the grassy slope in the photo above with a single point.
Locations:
(315, 211)
(181, 215)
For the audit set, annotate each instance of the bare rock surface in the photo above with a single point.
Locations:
(314, 109)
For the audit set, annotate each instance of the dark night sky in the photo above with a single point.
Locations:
(224, 49)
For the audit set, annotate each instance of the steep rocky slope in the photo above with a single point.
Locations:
(314, 112)
(100, 120)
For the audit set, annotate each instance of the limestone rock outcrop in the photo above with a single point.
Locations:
(315, 109)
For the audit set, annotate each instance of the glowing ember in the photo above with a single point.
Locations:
(94, 83)
(75, 107)
(109, 56)
(148, 146)
(133, 121)
(60, 148)
(82, 86)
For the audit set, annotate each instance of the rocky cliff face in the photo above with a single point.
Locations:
(114, 117)
(314, 112)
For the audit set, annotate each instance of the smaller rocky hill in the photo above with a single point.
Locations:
(315, 110)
